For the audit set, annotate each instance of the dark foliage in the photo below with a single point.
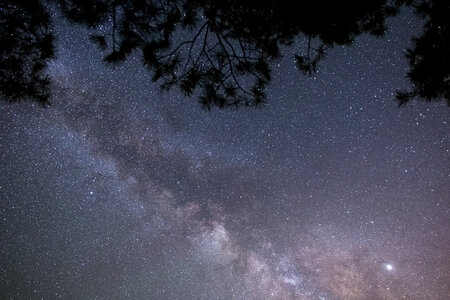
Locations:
(223, 50)
(26, 45)
(218, 51)
(429, 60)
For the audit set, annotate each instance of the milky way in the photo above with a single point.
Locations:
(329, 191)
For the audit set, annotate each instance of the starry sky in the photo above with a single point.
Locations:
(329, 191)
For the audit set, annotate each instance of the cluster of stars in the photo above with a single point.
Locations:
(328, 192)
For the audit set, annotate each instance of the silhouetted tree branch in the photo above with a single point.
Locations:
(429, 59)
(219, 51)
(26, 45)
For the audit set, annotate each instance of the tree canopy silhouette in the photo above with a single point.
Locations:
(219, 51)
(26, 45)
(429, 59)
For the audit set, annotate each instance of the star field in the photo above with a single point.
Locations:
(329, 191)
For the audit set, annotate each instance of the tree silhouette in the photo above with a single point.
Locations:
(26, 45)
(224, 49)
(429, 60)
(218, 51)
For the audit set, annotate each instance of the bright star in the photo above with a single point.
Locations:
(389, 267)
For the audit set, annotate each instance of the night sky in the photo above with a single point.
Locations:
(329, 191)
